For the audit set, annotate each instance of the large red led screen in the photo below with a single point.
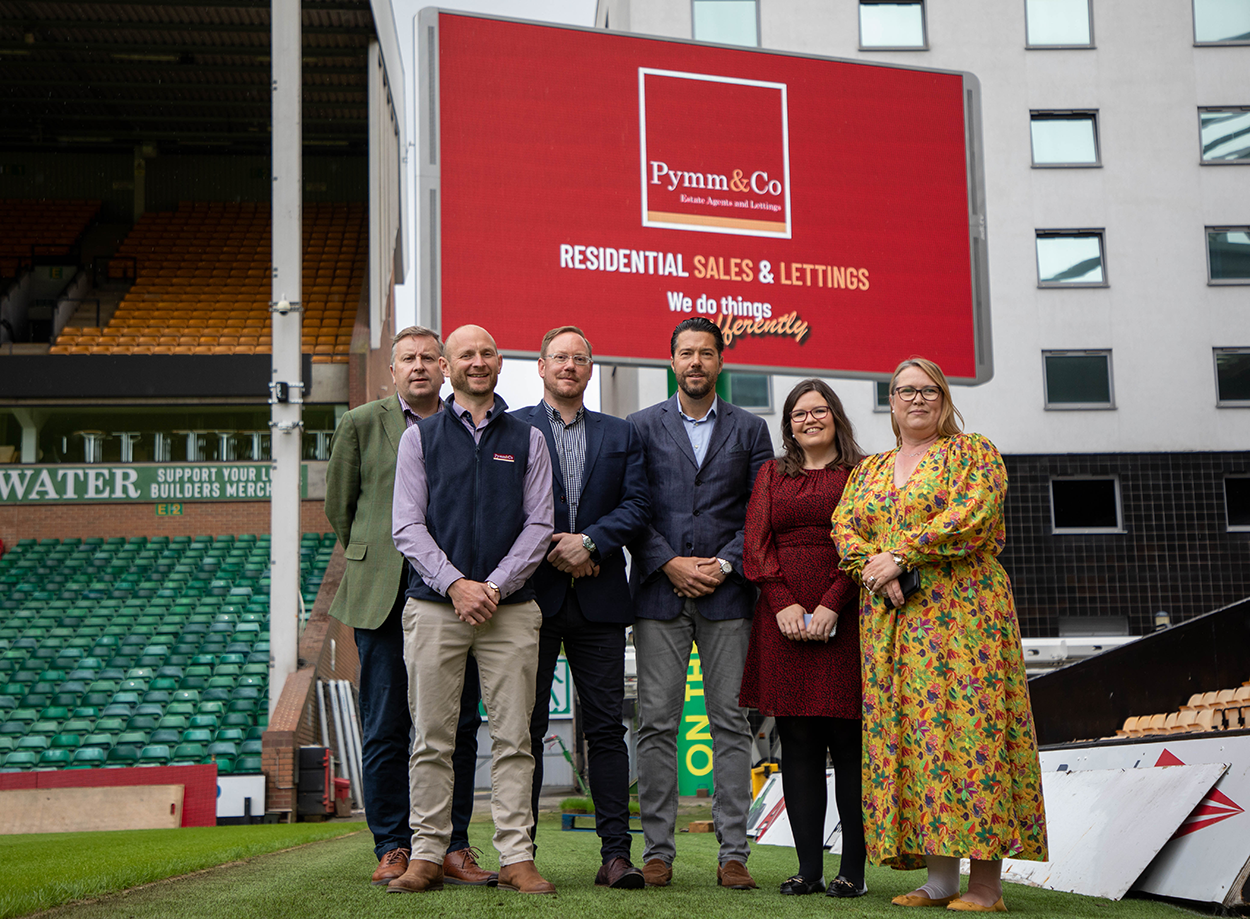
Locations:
(817, 210)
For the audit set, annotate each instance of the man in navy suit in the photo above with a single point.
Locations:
(601, 503)
(702, 456)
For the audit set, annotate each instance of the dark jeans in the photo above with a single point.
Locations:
(804, 743)
(386, 738)
(596, 655)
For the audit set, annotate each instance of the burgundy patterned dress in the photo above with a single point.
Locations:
(789, 554)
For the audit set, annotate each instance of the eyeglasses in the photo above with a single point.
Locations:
(908, 393)
(581, 360)
(820, 413)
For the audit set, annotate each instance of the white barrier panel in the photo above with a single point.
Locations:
(1208, 857)
(1105, 826)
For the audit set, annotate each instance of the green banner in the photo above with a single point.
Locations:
(694, 739)
(140, 483)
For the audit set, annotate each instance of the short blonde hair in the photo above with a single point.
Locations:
(560, 330)
(947, 423)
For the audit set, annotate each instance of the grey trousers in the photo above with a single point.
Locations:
(663, 655)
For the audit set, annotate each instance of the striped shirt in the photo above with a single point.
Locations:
(570, 442)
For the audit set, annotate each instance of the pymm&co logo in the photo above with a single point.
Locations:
(715, 154)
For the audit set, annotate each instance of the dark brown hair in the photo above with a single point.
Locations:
(849, 453)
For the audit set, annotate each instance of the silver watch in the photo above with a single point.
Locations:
(589, 544)
(725, 567)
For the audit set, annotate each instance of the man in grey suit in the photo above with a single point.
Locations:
(702, 458)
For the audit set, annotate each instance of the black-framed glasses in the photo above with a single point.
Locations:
(908, 393)
(819, 413)
(581, 360)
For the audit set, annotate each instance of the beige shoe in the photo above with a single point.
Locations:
(420, 877)
(919, 899)
(523, 877)
(968, 906)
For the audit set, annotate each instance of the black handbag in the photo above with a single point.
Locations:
(909, 581)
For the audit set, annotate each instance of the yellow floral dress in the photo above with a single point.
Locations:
(950, 753)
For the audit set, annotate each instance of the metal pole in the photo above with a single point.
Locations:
(286, 386)
(352, 758)
(321, 714)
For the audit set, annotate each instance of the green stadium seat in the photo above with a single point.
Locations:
(21, 759)
(248, 763)
(150, 709)
(66, 741)
(111, 724)
(27, 715)
(188, 753)
(123, 755)
(18, 728)
(117, 710)
(204, 721)
(166, 735)
(154, 755)
(197, 735)
(102, 739)
(225, 765)
(55, 758)
(54, 713)
(232, 735)
(178, 722)
(186, 709)
(157, 697)
(186, 695)
(88, 758)
(47, 728)
(256, 731)
(126, 697)
(250, 746)
(78, 726)
(36, 742)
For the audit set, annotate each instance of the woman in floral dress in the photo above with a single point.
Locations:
(950, 753)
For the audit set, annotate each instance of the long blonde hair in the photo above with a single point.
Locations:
(947, 423)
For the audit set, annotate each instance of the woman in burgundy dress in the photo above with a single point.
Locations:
(803, 663)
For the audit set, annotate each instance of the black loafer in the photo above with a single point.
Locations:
(798, 886)
(841, 887)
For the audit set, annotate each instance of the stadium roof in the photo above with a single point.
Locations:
(182, 76)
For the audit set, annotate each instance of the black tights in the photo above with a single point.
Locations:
(804, 741)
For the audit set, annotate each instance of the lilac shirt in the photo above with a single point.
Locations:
(413, 539)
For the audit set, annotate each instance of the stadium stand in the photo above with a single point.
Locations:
(202, 278)
(40, 227)
(140, 651)
(1213, 710)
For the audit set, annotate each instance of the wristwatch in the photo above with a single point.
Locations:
(495, 587)
(725, 567)
(898, 559)
(590, 546)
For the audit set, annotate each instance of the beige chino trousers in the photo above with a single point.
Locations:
(436, 644)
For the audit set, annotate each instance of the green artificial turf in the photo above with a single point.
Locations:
(331, 879)
(38, 871)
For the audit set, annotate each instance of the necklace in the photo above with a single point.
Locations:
(918, 452)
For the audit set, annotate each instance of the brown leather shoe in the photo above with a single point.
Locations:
(619, 874)
(523, 877)
(461, 868)
(390, 866)
(656, 873)
(735, 876)
(420, 877)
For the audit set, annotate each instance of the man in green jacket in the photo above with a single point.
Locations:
(360, 483)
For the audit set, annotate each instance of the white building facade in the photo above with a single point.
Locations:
(1117, 169)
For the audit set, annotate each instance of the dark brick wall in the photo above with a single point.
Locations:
(1175, 553)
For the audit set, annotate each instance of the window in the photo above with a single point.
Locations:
(1064, 138)
(728, 22)
(1225, 134)
(882, 403)
(1058, 24)
(1221, 21)
(1085, 504)
(1077, 379)
(1070, 258)
(1232, 376)
(1228, 255)
(748, 390)
(896, 26)
(1237, 501)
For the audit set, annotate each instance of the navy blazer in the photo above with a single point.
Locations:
(699, 510)
(614, 508)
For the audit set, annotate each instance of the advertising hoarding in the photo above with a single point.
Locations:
(825, 214)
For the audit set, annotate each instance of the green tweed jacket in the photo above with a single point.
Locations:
(360, 485)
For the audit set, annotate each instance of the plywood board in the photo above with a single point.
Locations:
(1105, 826)
(77, 810)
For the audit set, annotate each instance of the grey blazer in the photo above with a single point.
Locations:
(696, 510)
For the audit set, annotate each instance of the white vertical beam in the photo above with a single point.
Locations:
(286, 385)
